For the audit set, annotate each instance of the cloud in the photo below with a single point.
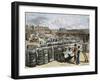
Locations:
(36, 20)
(56, 21)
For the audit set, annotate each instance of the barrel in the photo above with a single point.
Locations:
(30, 60)
(50, 54)
(45, 50)
(58, 54)
(40, 56)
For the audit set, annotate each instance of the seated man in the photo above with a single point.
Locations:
(68, 55)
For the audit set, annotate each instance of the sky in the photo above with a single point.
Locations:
(56, 20)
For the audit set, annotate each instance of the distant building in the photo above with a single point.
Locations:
(36, 30)
(42, 29)
(28, 31)
(82, 34)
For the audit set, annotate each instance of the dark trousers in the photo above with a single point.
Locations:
(78, 58)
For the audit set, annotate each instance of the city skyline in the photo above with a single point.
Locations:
(56, 21)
